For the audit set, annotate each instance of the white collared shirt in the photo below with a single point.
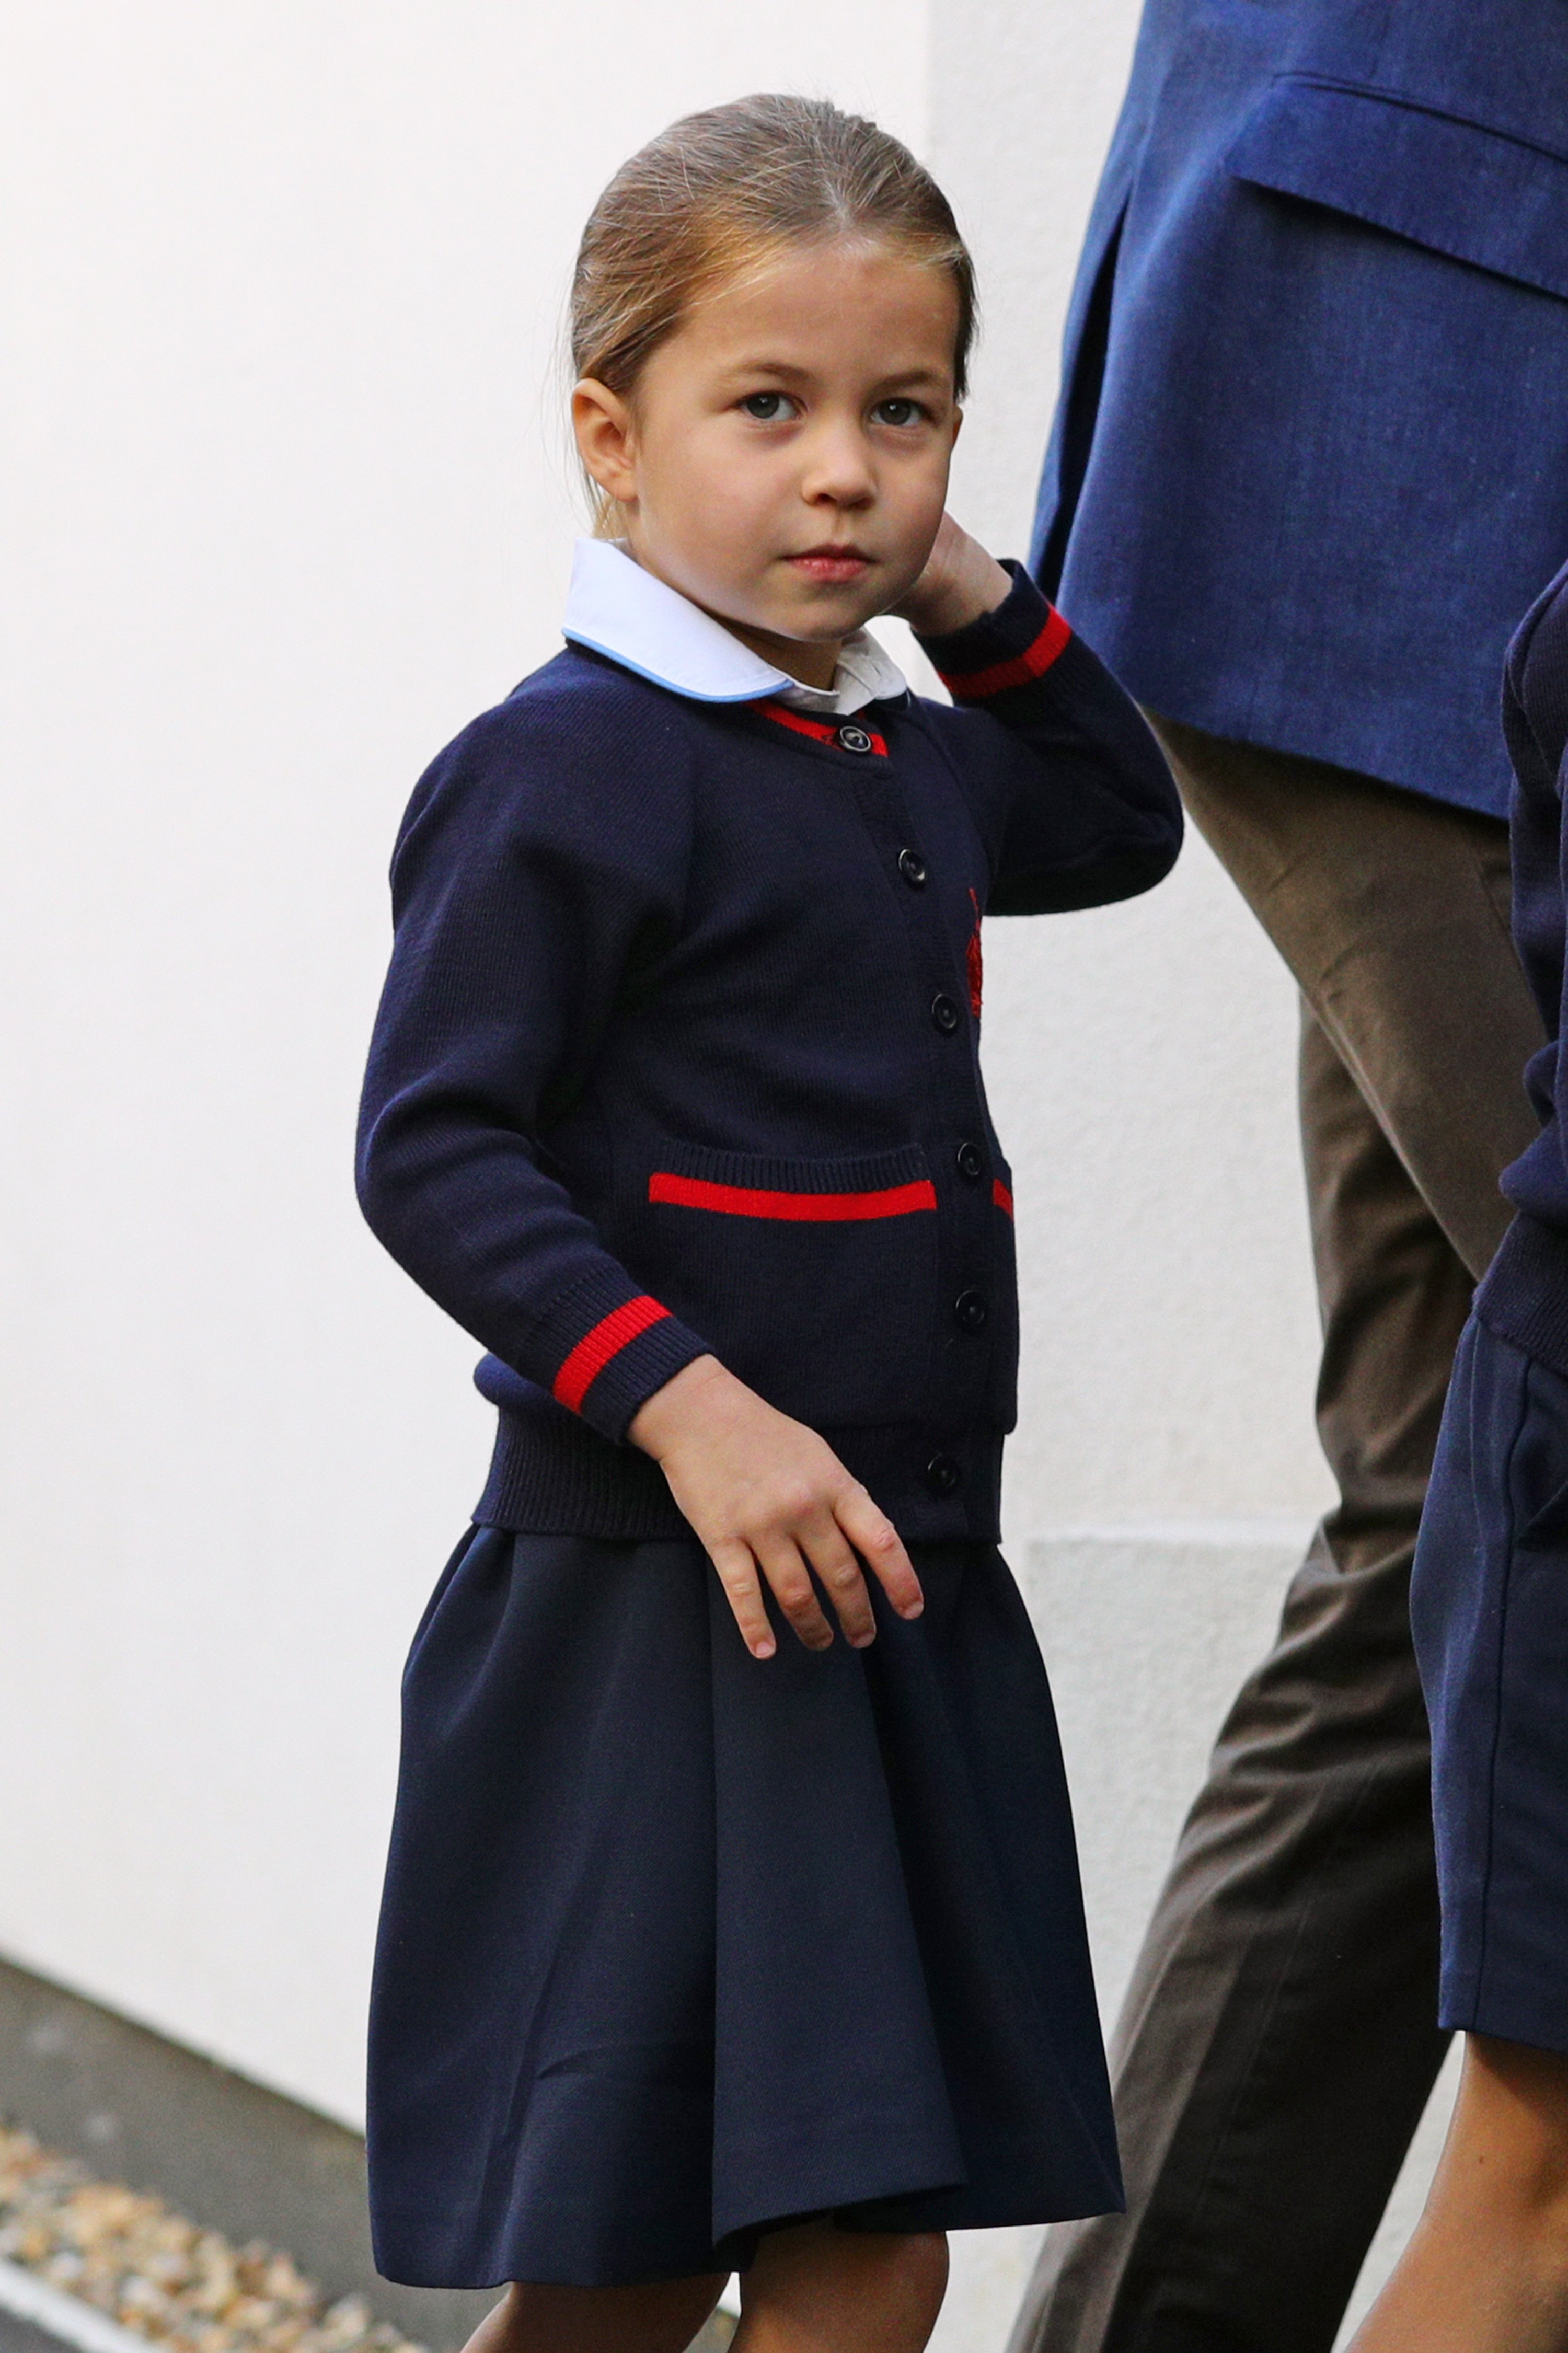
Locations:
(615, 607)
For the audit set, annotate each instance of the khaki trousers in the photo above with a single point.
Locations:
(1279, 2039)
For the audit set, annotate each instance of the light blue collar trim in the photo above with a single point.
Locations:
(617, 609)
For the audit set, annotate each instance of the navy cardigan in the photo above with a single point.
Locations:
(679, 1053)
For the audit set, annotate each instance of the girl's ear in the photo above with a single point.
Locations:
(602, 425)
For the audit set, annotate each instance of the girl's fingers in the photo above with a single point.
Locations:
(780, 1562)
(876, 1541)
(837, 1570)
(737, 1573)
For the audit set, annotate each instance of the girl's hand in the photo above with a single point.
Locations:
(763, 1493)
(960, 582)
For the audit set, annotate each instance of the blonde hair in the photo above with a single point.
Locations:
(728, 188)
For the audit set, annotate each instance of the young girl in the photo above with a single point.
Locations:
(711, 1941)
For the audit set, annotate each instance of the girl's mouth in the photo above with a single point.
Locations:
(832, 565)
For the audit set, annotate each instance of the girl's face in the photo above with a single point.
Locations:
(784, 459)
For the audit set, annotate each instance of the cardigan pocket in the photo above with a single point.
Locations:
(1460, 188)
(815, 1280)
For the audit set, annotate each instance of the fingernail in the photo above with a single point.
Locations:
(763, 1649)
(911, 1609)
(862, 1641)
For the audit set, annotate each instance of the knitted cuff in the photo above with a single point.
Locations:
(1012, 647)
(615, 1346)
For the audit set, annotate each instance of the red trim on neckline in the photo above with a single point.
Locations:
(1001, 1195)
(972, 685)
(595, 1350)
(819, 730)
(806, 1209)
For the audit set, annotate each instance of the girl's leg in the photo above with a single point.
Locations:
(815, 2289)
(1487, 2268)
(661, 2318)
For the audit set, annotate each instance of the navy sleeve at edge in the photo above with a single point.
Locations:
(1092, 814)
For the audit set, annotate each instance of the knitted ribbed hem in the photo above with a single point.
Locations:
(1524, 1296)
(558, 1477)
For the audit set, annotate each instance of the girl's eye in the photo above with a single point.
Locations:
(768, 408)
(898, 412)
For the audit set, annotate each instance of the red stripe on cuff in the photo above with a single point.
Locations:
(828, 1208)
(973, 685)
(595, 1350)
(1001, 1195)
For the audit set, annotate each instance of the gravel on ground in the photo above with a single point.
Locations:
(166, 2278)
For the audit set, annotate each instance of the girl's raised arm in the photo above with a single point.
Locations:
(1068, 783)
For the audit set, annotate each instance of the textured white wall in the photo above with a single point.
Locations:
(286, 503)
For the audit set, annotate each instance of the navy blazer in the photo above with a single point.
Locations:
(1311, 461)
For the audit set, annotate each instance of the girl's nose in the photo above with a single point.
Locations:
(837, 469)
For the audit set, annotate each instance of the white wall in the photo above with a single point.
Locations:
(287, 504)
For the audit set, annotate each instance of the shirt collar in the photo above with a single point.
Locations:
(617, 608)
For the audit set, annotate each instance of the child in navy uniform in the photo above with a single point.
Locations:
(711, 1941)
(1487, 2270)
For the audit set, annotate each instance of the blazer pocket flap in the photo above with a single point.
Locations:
(1476, 194)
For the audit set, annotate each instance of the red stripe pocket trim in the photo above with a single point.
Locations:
(1001, 1195)
(817, 729)
(1033, 662)
(805, 1208)
(596, 1348)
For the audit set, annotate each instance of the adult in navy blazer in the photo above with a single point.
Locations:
(1310, 466)
(1307, 487)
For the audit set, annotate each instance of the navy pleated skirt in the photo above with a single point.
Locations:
(677, 1944)
(1490, 1608)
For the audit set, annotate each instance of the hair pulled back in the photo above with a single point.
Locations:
(723, 190)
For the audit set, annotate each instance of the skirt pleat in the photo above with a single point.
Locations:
(677, 1945)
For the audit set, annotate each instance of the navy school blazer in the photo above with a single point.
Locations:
(1311, 460)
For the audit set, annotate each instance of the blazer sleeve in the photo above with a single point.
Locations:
(530, 884)
(1079, 804)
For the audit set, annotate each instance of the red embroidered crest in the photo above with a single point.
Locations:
(974, 961)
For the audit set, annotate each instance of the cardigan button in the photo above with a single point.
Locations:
(945, 1014)
(972, 1310)
(971, 1163)
(854, 739)
(943, 1474)
(913, 868)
